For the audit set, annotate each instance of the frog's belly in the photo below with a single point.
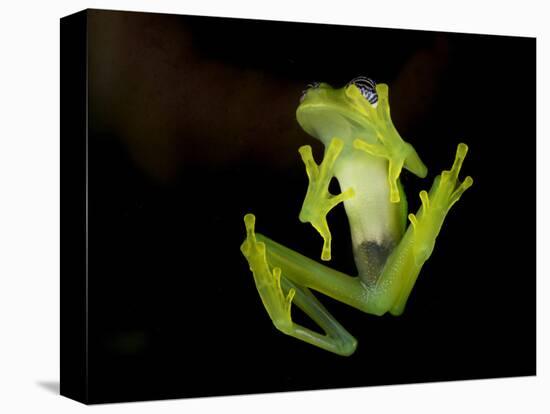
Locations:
(374, 220)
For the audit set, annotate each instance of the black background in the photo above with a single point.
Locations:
(192, 125)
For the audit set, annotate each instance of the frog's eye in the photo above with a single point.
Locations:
(313, 85)
(367, 87)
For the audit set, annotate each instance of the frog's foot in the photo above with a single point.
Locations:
(445, 192)
(278, 293)
(319, 201)
(390, 145)
(268, 282)
(416, 246)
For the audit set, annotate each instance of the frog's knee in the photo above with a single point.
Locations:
(347, 346)
(284, 325)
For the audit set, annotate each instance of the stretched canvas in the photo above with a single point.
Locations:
(260, 206)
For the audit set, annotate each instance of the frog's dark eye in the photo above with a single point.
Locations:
(313, 85)
(367, 87)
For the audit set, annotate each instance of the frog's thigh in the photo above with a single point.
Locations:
(306, 272)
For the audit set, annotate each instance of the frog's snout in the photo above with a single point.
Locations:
(310, 86)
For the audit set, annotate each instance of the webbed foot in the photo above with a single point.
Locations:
(405, 263)
(445, 192)
(267, 282)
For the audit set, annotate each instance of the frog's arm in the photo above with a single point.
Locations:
(268, 259)
(318, 201)
(390, 145)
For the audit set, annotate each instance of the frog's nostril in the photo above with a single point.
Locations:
(367, 87)
(313, 85)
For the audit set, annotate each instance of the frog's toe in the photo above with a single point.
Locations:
(319, 201)
(449, 189)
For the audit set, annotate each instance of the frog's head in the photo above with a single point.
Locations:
(325, 112)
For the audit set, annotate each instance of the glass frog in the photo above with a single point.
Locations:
(366, 154)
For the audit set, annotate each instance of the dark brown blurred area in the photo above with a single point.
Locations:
(170, 105)
(171, 90)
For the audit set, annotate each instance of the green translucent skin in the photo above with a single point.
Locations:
(365, 153)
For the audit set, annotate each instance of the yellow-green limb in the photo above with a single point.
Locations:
(268, 281)
(278, 293)
(390, 145)
(319, 201)
(418, 243)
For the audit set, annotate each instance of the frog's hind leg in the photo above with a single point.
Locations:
(278, 293)
(405, 262)
(336, 338)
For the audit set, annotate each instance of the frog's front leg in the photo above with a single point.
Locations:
(278, 293)
(390, 145)
(319, 201)
(404, 264)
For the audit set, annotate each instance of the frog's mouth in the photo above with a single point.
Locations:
(327, 122)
